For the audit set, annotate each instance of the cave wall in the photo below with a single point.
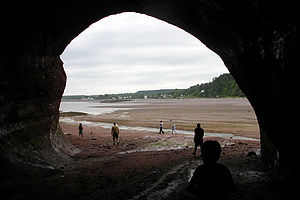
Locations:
(31, 89)
(257, 41)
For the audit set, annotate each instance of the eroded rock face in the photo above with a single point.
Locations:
(31, 89)
(257, 41)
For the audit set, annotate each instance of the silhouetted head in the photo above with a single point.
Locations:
(114, 123)
(198, 125)
(80, 124)
(210, 151)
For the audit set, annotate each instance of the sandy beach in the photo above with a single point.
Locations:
(148, 165)
(147, 156)
(224, 115)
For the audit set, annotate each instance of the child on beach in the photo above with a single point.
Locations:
(211, 180)
(80, 130)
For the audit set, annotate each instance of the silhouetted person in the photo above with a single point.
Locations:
(161, 128)
(115, 133)
(80, 130)
(198, 138)
(211, 180)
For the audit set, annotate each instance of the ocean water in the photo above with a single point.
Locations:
(91, 107)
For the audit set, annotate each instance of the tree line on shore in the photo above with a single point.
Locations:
(221, 86)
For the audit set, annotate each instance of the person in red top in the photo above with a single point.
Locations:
(211, 180)
(198, 138)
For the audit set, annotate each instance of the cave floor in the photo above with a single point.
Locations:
(144, 165)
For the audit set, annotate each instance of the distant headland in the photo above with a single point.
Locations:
(220, 87)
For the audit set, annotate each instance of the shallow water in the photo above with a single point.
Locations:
(108, 125)
(92, 107)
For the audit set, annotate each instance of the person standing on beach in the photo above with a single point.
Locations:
(198, 138)
(174, 128)
(161, 128)
(115, 133)
(80, 129)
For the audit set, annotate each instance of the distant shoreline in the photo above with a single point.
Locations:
(219, 87)
(127, 100)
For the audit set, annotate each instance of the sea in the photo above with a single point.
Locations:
(92, 107)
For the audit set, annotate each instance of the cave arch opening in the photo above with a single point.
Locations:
(138, 45)
(186, 113)
(250, 53)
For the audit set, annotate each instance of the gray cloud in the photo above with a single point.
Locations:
(130, 52)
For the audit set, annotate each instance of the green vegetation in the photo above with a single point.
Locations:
(222, 86)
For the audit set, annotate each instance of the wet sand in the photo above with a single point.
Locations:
(148, 165)
(225, 115)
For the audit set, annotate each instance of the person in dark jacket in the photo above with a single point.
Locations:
(198, 138)
(211, 180)
(80, 130)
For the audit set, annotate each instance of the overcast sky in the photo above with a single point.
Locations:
(129, 52)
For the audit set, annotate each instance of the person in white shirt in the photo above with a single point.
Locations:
(174, 128)
(161, 128)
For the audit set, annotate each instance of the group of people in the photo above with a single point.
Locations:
(198, 138)
(161, 128)
(208, 177)
(114, 132)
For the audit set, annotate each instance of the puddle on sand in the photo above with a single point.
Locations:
(155, 130)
